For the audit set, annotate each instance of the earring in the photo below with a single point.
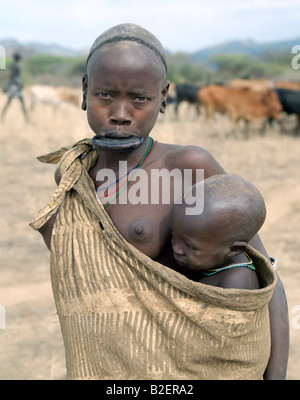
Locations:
(83, 105)
(163, 106)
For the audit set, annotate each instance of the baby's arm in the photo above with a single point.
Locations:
(239, 278)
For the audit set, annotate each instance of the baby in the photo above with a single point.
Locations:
(212, 245)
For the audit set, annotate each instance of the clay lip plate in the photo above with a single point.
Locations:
(117, 142)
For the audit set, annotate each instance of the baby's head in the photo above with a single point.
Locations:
(234, 211)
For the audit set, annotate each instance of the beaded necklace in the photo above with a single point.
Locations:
(151, 147)
(216, 270)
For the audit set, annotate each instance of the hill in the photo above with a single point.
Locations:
(248, 47)
(11, 45)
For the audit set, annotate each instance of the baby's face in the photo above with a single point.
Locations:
(125, 88)
(195, 245)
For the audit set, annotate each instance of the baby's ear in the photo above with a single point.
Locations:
(84, 91)
(237, 248)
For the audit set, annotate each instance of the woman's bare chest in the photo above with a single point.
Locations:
(145, 227)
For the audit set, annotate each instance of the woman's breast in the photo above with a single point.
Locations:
(146, 229)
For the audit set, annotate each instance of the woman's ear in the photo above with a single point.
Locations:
(164, 95)
(84, 91)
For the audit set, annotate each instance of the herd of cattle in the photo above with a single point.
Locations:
(256, 102)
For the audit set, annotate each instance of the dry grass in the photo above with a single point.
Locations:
(31, 346)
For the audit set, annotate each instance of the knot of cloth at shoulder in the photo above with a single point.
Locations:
(82, 152)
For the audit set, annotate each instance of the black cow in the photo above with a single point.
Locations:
(290, 101)
(186, 92)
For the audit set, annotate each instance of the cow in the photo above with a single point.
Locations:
(185, 92)
(257, 85)
(287, 85)
(290, 102)
(240, 104)
(57, 97)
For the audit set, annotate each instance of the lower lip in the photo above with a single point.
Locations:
(117, 143)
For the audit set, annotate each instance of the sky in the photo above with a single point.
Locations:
(181, 25)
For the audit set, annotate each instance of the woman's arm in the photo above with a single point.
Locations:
(279, 325)
(47, 228)
(279, 322)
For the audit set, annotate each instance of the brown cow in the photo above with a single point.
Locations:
(240, 104)
(257, 85)
(287, 85)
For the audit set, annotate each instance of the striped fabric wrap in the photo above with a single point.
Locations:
(125, 316)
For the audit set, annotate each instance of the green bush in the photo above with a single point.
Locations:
(53, 70)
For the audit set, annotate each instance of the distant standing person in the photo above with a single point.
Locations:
(14, 86)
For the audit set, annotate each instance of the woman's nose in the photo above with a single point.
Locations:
(120, 114)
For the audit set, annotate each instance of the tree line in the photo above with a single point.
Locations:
(67, 71)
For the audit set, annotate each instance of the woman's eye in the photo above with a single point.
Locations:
(188, 245)
(103, 95)
(142, 99)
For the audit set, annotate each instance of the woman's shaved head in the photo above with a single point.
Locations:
(130, 33)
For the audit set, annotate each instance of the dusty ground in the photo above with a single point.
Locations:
(31, 345)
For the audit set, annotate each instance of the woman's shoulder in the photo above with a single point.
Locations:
(190, 157)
